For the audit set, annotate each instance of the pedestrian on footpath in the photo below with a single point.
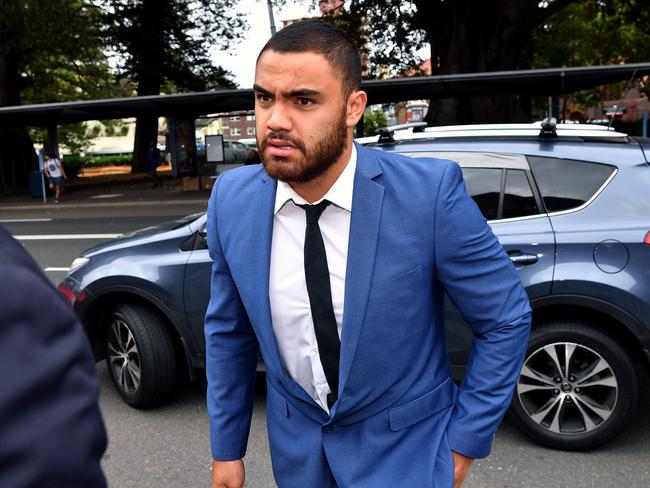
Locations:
(55, 175)
(153, 160)
(333, 260)
(51, 429)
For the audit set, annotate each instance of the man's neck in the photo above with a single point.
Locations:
(315, 189)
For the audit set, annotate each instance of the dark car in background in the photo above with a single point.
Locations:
(568, 203)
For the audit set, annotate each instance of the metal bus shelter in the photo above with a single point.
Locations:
(183, 109)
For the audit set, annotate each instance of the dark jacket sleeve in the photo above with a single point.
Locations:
(51, 430)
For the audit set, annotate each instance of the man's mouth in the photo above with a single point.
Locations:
(281, 148)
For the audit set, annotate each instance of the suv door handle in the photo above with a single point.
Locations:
(523, 259)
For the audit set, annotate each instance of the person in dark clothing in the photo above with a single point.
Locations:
(51, 429)
(153, 160)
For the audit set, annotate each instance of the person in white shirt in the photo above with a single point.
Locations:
(55, 174)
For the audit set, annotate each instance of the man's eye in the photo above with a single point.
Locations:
(305, 102)
(263, 98)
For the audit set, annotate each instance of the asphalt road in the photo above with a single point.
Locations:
(169, 446)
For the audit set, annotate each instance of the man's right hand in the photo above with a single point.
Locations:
(228, 474)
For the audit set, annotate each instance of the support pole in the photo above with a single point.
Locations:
(555, 107)
(271, 19)
(41, 167)
(52, 143)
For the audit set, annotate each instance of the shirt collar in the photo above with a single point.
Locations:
(340, 194)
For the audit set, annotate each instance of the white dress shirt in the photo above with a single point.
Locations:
(290, 310)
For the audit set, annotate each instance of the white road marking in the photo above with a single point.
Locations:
(64, 237)
(57, 268)
(107, 195)
(14, 221)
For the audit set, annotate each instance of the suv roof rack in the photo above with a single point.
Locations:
(386, 133)
(582, 131)
(549, 128)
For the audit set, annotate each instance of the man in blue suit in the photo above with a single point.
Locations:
(334, 260)
(51, 429)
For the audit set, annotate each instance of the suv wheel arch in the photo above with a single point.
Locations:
(601, 315)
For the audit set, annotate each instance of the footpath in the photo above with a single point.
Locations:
(114, 191)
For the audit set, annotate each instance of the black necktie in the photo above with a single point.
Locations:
(317, 276)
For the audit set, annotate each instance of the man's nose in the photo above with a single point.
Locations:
(279, 118)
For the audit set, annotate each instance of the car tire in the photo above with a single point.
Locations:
(581, 406)
(140, 355)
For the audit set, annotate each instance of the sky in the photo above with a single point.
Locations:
(240, 58)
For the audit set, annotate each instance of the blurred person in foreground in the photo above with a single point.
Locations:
(51, 429)
(334, 260)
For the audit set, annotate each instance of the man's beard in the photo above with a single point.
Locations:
(313, 161)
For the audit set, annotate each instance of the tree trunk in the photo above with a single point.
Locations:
(467, 37)
(149, 58)
(17, 156)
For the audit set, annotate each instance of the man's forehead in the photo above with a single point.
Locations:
(288, 55)
(293, 66)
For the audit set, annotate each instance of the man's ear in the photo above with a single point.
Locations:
(355, 107)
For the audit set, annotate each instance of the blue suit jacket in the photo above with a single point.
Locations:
(51, 430)
(415, 235)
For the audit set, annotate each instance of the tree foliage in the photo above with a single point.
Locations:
(63, 57)
(592, 33)
(464, 36)
(373, 120)
(51, 52)
(166, 43)
(170, 40)
(467, 36)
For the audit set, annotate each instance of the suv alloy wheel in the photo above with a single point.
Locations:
(577, 388)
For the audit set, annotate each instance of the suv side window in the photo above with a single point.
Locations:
(500, 183)
(566, 183)
(518, 198)
(484, 186)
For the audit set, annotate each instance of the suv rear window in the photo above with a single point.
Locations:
(485, 185)
(566, 183)
(518, 198)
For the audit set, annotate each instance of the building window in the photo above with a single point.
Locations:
(234, 117)
(250, 131)
(250, 118)
(235, 131)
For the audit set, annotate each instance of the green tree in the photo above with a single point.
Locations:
(16, 151)
(55, 56)
(467, 36)
(464, 36)
(166, 43)
(593, 33)
(373, 120)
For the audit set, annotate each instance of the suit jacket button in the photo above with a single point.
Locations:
(327, 428)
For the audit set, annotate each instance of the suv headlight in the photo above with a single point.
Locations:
(78, 263)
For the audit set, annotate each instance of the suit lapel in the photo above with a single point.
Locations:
(364, 228)
(261, 210)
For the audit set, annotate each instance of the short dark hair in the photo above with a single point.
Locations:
(315, 35)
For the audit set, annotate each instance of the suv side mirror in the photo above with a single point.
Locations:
(202, 241)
